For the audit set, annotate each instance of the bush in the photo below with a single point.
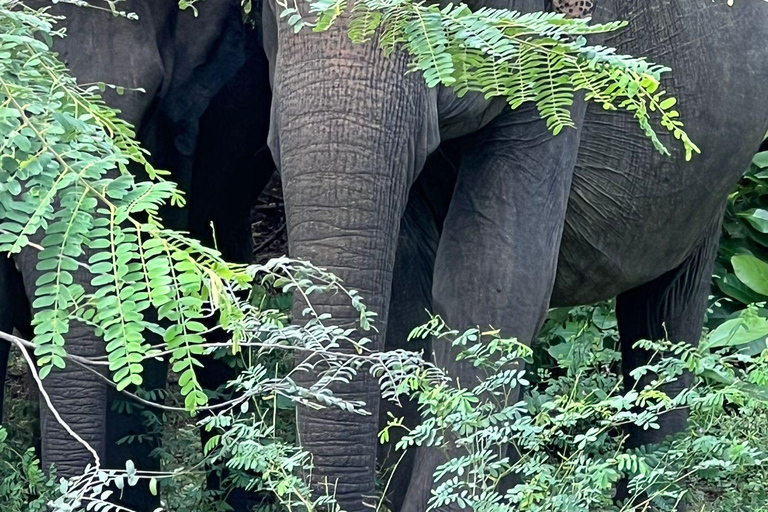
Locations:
(24, 487)
(568, 431)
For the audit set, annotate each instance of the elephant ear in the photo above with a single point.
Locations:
(209, 50)
(574, 8)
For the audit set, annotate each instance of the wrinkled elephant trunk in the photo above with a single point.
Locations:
(79, 395)
(350, 132)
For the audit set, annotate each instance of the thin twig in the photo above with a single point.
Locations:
(271, 238)
(47, 398)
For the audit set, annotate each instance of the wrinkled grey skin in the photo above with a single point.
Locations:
(201, 75)
(505, 221)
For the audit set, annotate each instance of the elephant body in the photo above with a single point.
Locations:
(504, 220)
(634, 213)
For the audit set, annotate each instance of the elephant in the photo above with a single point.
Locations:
(421, 200)
(199, 75)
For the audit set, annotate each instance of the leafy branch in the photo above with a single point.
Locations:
(540, 58)
(66, 184)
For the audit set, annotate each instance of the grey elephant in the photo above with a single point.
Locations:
(505, 221)
(201, 75)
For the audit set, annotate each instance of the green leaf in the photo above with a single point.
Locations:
(153, 486)
(751, 271)
(737, 332)
(737, 290)
(761, 160)
(758, 218)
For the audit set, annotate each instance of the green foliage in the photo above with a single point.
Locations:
(568, 431)
(65, 171)
(568, 428)
(743, 490)
(66, 157)
(742, 267)
(542, 58)
(740, 281)
(251, 437)
(23, 485)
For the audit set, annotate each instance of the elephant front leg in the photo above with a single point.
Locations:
(349, 134)
(80, 398)
(497, 257)
(411, 301)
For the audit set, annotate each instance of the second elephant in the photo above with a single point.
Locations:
(203, 116)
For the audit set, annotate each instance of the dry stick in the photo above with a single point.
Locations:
(28, 344)
(84, 363)
(255, 344)
(271, 238)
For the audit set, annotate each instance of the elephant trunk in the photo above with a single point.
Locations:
(78, 395)
(350, 132)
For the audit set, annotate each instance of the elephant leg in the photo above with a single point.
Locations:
(498, 252)
(672, 307)
(349, 143)
(411, 301)
(134, 431)
(79, 396)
